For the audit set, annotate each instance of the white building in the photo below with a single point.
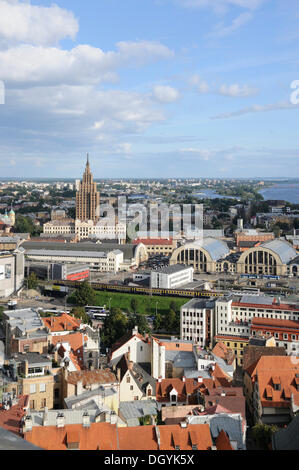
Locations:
(172, 277)
(197, 321)
(103, 229)
(110, 261)
(12, 267)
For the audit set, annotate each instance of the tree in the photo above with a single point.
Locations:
(79, 312)
(158, 322)
(115, 326)
(141, 322)
(170, 322)
(84, 295)
(134, 304)
(262, 434)
(32, 281)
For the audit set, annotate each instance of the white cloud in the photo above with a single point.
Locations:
(199, 84)
(234, 90)
(200, 153)
(237, 90)
(284, 105)
(35, 24)
(221, 6)
(221, 31)
(165, 94)
(83, 64)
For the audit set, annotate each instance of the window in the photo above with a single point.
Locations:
(32, 388)
(44, 403)
(131, 387)
(42, 387)
(128, 379)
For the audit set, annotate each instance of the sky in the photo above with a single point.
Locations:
(149, 88)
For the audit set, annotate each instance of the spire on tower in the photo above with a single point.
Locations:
(87, 162)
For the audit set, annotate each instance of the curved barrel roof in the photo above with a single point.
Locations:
(283, 249)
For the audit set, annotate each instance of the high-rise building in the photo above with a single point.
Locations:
(87, 197)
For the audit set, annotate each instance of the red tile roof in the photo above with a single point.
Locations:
(104, 436)
(89, 377)
(153, 241)
(223, 442)
(63, 323)
(11, 419)
(269, 370)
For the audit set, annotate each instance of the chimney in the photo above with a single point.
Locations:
(45, 417)
(60, 420)
(130, 365)
(160, 379)
(199, 380)
(135, 331)
(184, 424)
(184, 379)
(27, 424)
(157, 431)
(79, 388)
(118, 374)
(113, 418)
(26, 367)
(86, 420)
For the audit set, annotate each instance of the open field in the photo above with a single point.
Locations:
(145, 304)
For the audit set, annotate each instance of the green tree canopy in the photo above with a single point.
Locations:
(115, 326)
(32, 281)
(84, 295)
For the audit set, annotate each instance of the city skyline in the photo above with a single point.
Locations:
(172, 89)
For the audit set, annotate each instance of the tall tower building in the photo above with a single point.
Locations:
(87, 197)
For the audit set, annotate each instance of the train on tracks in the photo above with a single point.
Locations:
(126, 289)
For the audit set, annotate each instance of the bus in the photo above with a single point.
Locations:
(97, 313)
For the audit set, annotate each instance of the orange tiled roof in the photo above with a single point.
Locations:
(174, 345)
(104, 436)
(188, 387)
(225, 353)
(63, 323)
(223, 442)
(11, 419)
(270, 371)
(76, 341)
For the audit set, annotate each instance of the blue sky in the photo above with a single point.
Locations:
(150, 88)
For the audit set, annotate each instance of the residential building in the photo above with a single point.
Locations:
(271, 387)
(284, 332)
(25, 332)
(136, 383)
(197, 322)
(109, 437)
(35, 379)
(90, 389)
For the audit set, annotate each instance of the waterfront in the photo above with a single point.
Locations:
(283, 191)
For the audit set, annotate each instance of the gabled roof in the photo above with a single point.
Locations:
(90, 377)
(64, 322)
(11, 419)
(271, 371)
(106, 436)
